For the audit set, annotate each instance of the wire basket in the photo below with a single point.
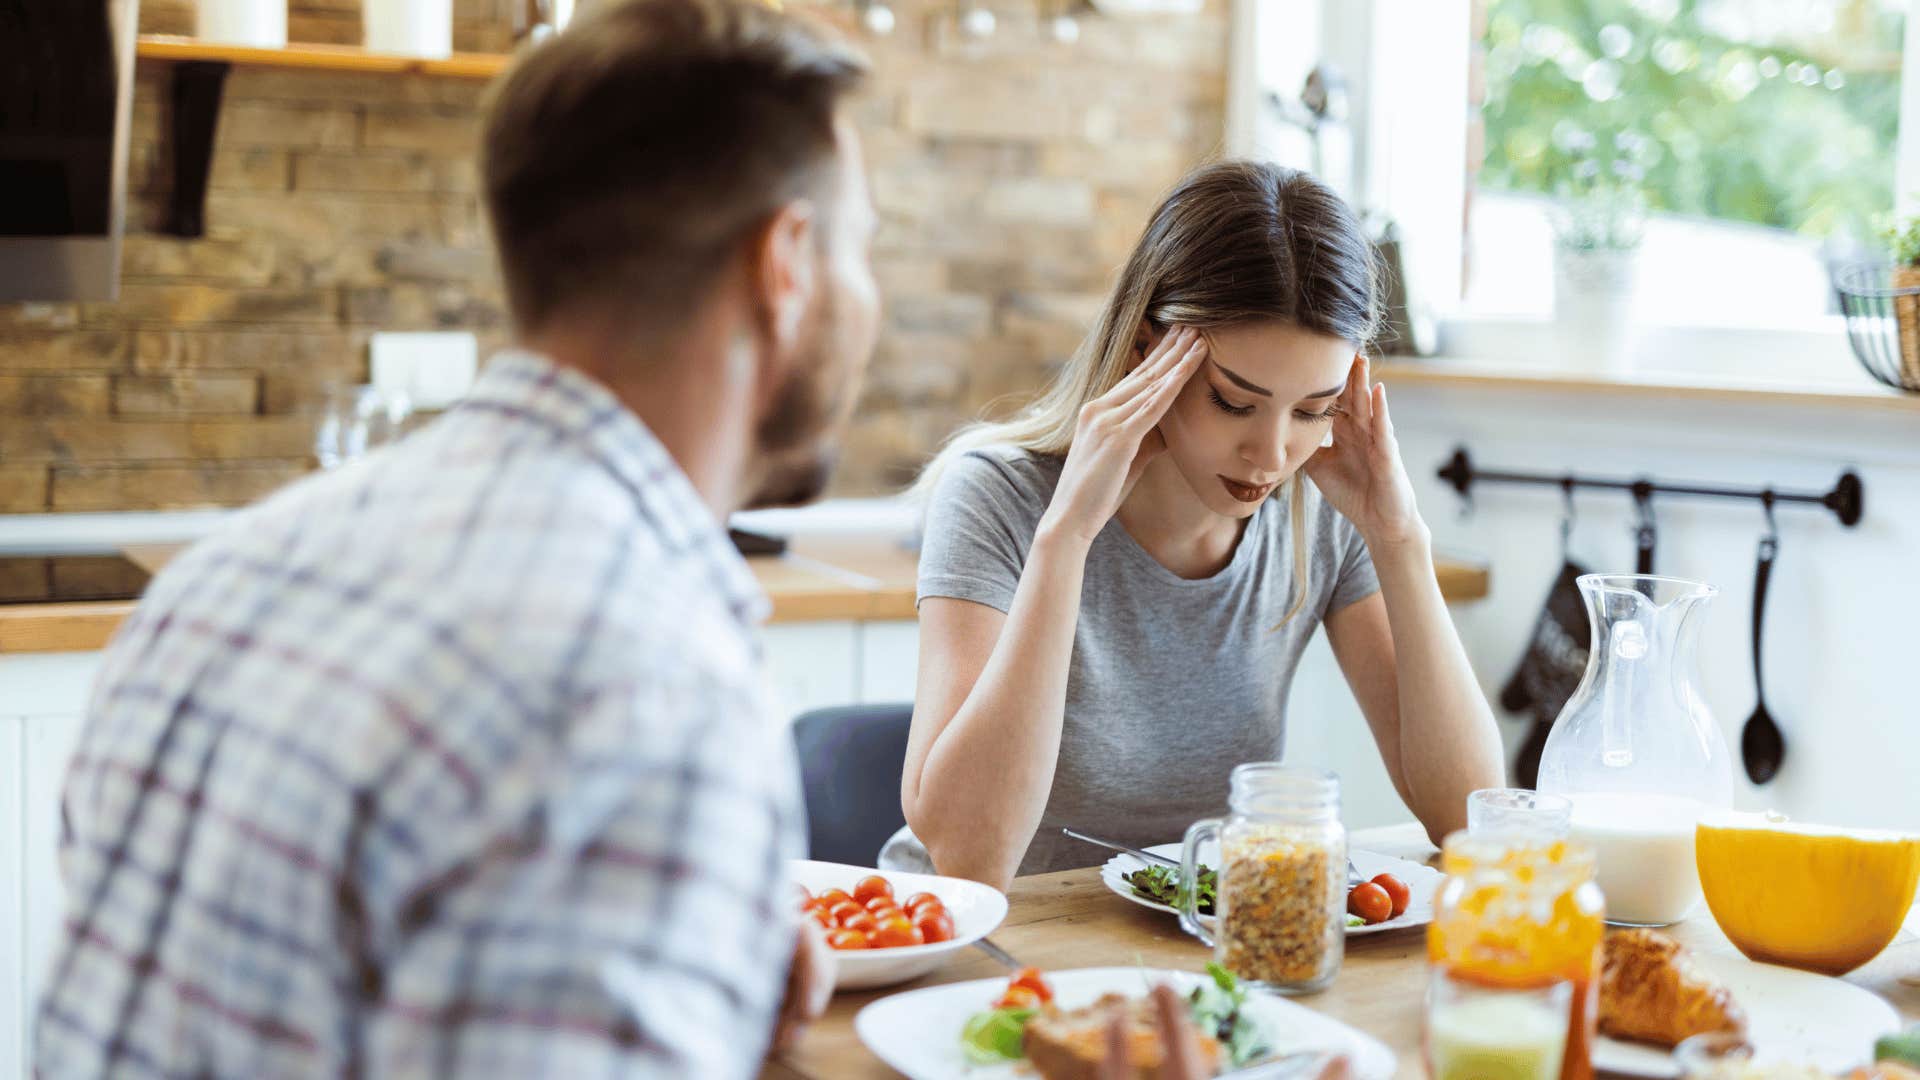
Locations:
(1882, 307)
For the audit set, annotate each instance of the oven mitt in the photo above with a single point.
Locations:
(1550, 669)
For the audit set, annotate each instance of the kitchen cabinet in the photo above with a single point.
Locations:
(817, 665)
(13, 1002)
(49, 743)
(42, 699)
(889, 660)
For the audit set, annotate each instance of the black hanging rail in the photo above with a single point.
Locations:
(1847, 500)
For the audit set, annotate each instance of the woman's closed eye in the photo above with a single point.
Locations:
(1304, 415)
(1226, 406)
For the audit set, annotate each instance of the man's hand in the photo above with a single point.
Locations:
(1182, 1060)
(809, 985)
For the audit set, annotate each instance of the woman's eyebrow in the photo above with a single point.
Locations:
(1250, 387)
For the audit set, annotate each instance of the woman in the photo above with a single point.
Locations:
(1116, 586)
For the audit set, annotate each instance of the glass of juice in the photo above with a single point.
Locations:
(1481, 1032)
(1522, 914)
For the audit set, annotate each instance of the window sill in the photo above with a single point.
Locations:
(1809, 365)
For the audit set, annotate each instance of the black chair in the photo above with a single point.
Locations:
(850, 762)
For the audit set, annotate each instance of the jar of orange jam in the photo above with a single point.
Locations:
(1518, 914)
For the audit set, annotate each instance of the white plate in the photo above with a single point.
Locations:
(1792, 1017)
(1423, 883)
(976, 909)
(918, 1032)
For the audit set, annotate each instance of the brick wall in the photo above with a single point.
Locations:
(1012, 175)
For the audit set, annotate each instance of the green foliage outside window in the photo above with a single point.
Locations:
(1617, 104)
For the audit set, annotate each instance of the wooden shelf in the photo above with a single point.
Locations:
(321, 58)
(199, 74)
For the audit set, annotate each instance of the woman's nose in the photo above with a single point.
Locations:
(1265, 452)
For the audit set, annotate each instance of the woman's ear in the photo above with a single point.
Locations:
(1145, 337)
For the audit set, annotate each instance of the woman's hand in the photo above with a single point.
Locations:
(1116, 437)
(1361, 473)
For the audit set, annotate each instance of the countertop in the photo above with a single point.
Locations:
(821, 578)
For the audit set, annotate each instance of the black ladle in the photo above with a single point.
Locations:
(1762, 747)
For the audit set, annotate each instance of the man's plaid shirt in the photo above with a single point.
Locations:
(454, 761)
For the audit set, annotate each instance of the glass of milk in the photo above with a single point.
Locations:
(1636, 750)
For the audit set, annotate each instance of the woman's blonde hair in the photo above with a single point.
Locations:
(1233, 242)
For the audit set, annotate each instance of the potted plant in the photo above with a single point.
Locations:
(1598, 222)
(1903, 241)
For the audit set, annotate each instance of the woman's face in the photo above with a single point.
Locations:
(1258, 406)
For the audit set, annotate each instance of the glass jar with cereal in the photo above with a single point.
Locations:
(1280, 904)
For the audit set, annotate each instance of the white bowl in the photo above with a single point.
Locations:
(976, 909)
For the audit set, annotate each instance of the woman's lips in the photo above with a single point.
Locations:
(1246, 492)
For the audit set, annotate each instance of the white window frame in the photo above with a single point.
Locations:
(1364, 37)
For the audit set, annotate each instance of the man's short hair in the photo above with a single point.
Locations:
(624, 160)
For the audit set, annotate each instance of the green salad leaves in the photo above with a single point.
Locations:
(995, 1036)
(1161, 884)
(1218, 1011)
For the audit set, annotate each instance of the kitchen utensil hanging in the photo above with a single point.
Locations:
(1645, 536)
(1555, 658)
(1762, 746)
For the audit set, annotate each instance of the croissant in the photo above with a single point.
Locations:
(1650, 991)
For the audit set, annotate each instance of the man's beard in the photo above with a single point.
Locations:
(792, 438)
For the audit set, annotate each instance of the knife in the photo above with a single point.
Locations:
(1000, 955)
(1148, 857)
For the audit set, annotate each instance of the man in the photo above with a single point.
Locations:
(455, 762)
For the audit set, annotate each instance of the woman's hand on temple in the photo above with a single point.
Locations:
(1116, 437)
(1361, 473)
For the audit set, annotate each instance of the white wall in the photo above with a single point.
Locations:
(1842, 648)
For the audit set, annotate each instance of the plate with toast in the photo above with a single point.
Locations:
(919, 1032)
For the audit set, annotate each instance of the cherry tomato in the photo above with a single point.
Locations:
(862, 922)
(880, 903)
(1370, 902)
(920, 899)
(847, 939)
(832, 897)
(1397, 892)
(894, 935)
(845, 910)
(871, 886)
(1018, 997)
(821, 916)
(1034, 981)
(936, 925)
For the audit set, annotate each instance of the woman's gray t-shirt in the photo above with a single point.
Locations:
(1173, 681)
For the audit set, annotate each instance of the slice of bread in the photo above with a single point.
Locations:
(1068, 1045)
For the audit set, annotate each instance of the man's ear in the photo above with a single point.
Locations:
(783, 271)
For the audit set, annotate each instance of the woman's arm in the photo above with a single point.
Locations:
(992, 688)
(987, 715)
(1410, 674)
(1398, 649)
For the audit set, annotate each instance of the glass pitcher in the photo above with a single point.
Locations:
(1280, 904)
(1636, 749)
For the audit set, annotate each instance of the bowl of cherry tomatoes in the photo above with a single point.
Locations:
(888, 926)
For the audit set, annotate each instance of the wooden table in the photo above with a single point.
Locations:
(1070, 920)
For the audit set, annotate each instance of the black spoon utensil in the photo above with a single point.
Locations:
(1762, 746)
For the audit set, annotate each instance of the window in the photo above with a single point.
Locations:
(1758, 135)
(1764, 139)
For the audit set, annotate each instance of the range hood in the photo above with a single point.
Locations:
(66, 98)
